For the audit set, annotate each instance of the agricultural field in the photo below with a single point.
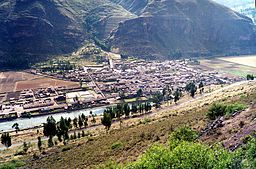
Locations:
(234, 66)
(16, 81)
(243, 60)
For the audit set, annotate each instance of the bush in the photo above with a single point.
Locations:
(250, 154)
(232, 108)
(183, 134)
(216, 110)
(186, 155)
(117, 145)
(12, 164)
(219, 109)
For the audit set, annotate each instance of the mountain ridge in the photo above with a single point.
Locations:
(32, 30)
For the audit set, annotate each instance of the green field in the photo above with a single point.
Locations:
(235, 66)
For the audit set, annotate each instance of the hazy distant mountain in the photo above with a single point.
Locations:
(246, 7)
(34, 30)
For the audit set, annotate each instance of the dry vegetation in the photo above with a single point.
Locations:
(136, 135)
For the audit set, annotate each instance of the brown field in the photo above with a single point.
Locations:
(16, 81)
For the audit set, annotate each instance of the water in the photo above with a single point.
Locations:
(37, 121)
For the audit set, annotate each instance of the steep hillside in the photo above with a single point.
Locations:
(135, 6)
(34, 30)
(185, 27)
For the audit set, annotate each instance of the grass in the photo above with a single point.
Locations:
(12, 164)
(117, 145)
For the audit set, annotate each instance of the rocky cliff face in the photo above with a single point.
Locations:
(34, 30)
(189, 27)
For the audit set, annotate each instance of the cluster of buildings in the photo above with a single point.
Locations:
(126, 77)
(101, 85)
(37, 102)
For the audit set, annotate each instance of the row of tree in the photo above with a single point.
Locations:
(123, 109)
(61, 128)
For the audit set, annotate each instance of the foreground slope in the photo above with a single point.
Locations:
(138, 134)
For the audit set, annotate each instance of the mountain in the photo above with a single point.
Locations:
(245, 7)
(175, 28)
(36, 30)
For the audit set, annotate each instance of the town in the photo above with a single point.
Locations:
(106, 84)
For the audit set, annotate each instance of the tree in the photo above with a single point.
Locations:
(216, 110)
(62, 129)
(177, 95)
(127, 109)
(122, 95)
(191, 88)
(250, 77)
(6, 140)
(147, 106)
(93, 119)
(75, 122)
(141, 108)
(139, 93)
(80, 83)
(157, 99)
(16, 127)
(86, 122)
(83, 117)
(134, 108)
(50, 130)
(69, 123)
(106, 120)
(80, 122)
(110, 111)
(39, 143)
(201, 87)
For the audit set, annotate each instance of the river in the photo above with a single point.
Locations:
(37, 121)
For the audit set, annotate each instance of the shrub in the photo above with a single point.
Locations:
(216, 110)
(250, 154)
(117, 145)
(232, 108)
(183, 134)
(12, 164)
(219, 109)
(186, 155)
